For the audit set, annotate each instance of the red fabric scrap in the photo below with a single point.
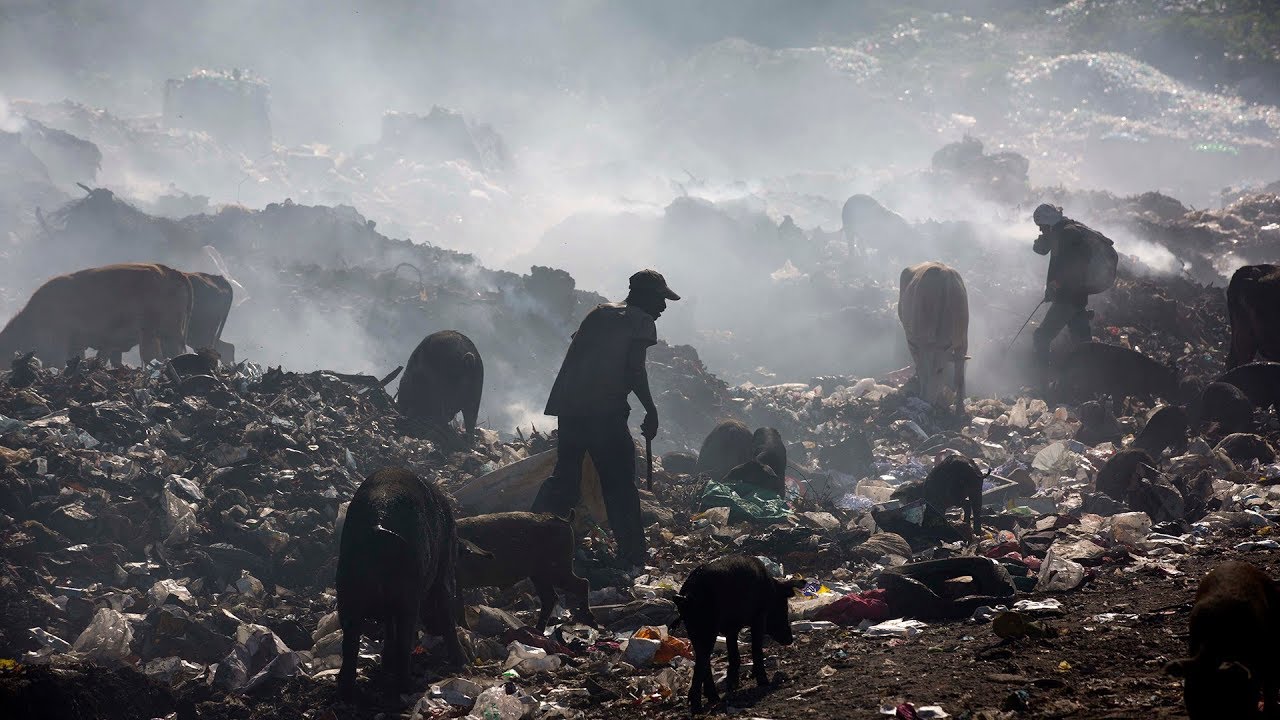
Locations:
(855, 607)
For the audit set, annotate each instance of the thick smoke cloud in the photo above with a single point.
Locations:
(716, 141)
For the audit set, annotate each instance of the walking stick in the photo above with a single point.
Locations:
(648, 452)
(1024, 325)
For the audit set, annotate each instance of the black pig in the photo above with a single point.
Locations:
(956, 481)
(721, 598)
(1091, 369)
(444, 376)
(537, 546)
(1122, 472)
(1242, 447)
(727, 446)
(1166, 428)
(1232, 642)
(1222, 408)
(1260, 381)
(767, 467)
(396, 564)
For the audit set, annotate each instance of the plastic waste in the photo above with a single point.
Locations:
(107, 638)
(1055, 458)
(51, 642)
(185, 487)
(527, 660)
(180, 518)
(1039, 608)
(458, 691)
(1018, 414)
(812, 625)
(640, 652)
(1267, 544)
(893, 628)
(669, 647)
(773, 568)
(1059, 574)
(985, 613)
(1108, 618)
(497, 704)
(164, 590)
(1130, 528)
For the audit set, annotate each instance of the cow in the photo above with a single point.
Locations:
(104, 308)
(933, 306)
(1253, 306)
(211, 304)
(862, 217)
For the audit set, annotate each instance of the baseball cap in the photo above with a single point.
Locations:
(652, 280)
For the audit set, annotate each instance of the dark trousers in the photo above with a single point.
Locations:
(1071, 314)
(613, 452)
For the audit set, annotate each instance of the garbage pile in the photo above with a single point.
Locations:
(183, 525)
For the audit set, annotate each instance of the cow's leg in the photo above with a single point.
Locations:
(1243, 343)
(959, 364)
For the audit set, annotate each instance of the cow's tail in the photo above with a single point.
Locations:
(191, 301)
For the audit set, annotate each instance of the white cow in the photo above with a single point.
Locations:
(934, 309)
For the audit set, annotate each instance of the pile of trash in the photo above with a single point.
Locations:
(184, 526)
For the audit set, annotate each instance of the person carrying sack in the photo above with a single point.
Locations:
(1082, 262)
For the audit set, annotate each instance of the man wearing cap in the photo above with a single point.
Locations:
(604, 365)
(1065, 242)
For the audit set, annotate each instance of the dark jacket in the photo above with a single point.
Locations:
(1067, 246)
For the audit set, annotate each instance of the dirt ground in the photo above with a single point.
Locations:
(1094, 669)
(1110, 671)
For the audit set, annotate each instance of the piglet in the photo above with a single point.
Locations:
(1122, 472)
(767, 467)
(1232, 641)
(956, 481)
(721, 598)
(1165, 428)
(1260, 381)
(1222, 408)
(727, 446)
(537, 546)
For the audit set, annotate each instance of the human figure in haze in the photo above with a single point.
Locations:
(604, 365)
(1065, 241)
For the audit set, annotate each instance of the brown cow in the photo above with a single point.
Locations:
(1253, 305)
(933, 306)
(103, 308)
(210, 306)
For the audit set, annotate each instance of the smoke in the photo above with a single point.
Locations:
(9, 122)
(716, 142)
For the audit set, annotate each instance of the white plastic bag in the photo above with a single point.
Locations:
(107, 638)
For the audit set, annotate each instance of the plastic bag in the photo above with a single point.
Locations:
(180, 518)
(107, 638)
(527, 660)
(894, 629)
(1055, 458)
(1130, 528)
(1059, 574)
(745, 502)
(497, 704)
(669, 647)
